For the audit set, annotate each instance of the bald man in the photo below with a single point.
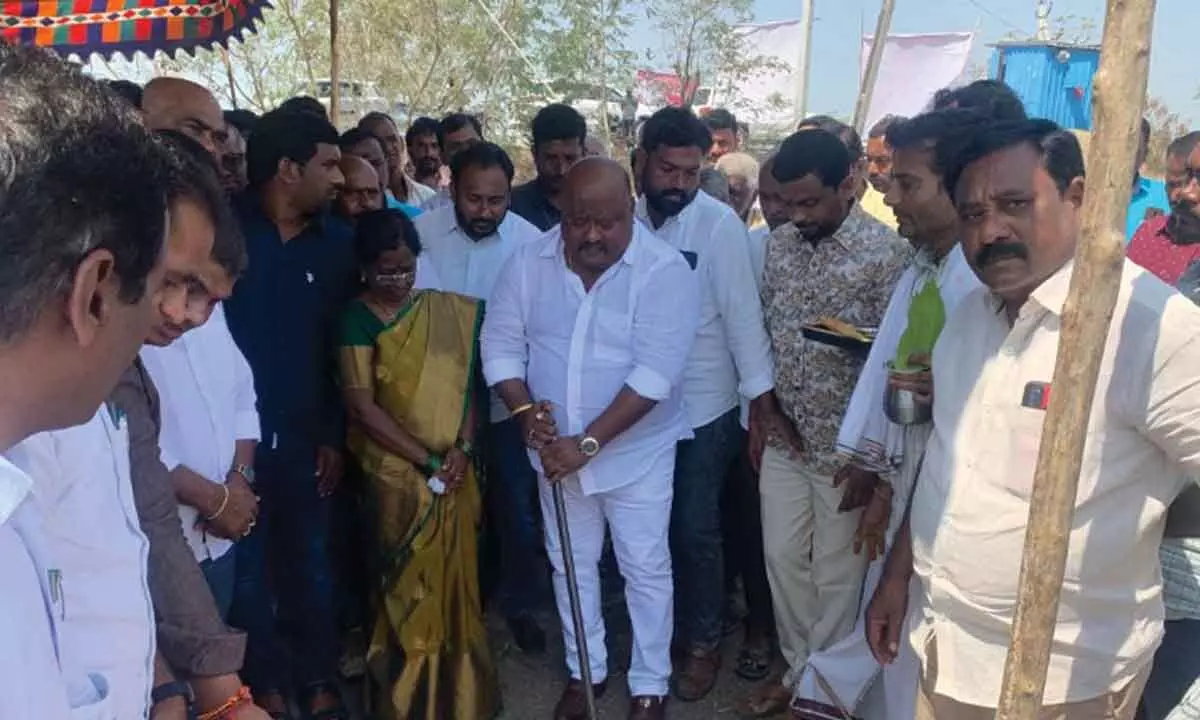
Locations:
(362, 190)
(594, 322)
(183, 106)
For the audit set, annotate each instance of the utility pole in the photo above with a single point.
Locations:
(803, 61)
(878, 43)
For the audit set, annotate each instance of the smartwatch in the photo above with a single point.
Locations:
(173, 689)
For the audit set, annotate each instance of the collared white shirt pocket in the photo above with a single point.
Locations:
(612, 337)
(102, 708)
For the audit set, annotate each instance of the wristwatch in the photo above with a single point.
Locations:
(173, 689)
(589, 446)
(245, 471)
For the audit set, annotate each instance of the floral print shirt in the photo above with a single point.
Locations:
(848, 276)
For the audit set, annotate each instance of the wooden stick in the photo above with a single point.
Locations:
(882, 26)
(1120, 85)
(335, 68)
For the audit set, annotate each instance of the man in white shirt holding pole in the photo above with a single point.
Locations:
(1018, 188)
(596, 320)
(730, 359)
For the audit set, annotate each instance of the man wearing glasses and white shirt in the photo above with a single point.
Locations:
(591, 325)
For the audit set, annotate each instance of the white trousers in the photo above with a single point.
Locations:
(814, 574)
(639, 516)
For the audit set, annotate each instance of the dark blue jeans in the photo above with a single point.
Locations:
(1176, 667)
(221, 575)
(297, 545)
(253, 611)
(513, 509)
(702, 466)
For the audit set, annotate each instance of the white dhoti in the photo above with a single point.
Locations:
(638, 516)
(840, 679)
(846, 676)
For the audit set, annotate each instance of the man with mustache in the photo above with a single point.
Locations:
(467, 242)
(831, 260)
(1018, 188)
(585, 339)
(400, 187)
(887, 456)
(559, 134)
(1169, 244)
(284, 316)
(358, 143)
(1169, 247)
(730, 360)
(425, 153)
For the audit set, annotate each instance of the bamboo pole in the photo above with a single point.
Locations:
(1120, 90)
(335, 67)
(882, 26)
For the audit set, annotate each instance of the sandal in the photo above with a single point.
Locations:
(336, 711)
(753, 662)
(768, 700)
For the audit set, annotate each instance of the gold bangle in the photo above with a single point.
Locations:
(224, 504)
(523, 408)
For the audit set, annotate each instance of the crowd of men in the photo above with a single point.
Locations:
(173, 435)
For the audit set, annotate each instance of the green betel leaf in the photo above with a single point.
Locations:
(926, 318)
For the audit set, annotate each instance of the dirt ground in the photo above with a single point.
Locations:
(531, 685)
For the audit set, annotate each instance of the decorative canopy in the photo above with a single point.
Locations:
(127, 27)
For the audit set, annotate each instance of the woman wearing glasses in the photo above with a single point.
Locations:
(408, 369)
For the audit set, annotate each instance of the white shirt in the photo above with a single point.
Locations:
(464, 265)
(207, 400)
(418, 194)
(84, 496)
(577, 349)
(426, 277)
(971, 504)
(470, 267)
(32, 683)
(757, 238)
(732, 343)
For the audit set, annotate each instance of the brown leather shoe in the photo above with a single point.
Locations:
(647, 707)
(695, 679)
(573, 703)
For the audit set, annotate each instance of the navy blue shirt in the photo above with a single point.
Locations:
(531, 203)
(283, 315)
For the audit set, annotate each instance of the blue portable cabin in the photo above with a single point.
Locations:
(1053, 80)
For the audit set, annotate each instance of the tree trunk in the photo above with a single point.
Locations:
(335, 67)
(1120, 90)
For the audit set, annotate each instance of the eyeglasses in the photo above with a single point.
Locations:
(398, 278)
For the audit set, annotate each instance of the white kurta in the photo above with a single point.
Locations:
(32, 682)
(848, 667)
(90, 525)
(207, 400)
(577, 349)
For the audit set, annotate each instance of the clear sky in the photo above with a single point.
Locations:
(1174, 66)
